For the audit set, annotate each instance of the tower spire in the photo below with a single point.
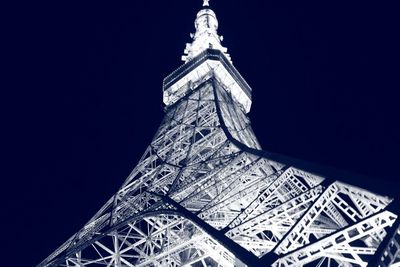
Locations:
(206, 35)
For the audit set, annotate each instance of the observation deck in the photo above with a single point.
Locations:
(210, 62)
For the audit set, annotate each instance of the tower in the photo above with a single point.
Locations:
(204, 193)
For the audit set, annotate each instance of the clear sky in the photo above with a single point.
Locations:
(86, 97)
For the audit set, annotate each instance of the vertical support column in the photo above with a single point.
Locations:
(117, 256)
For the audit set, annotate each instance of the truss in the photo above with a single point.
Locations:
(205, 194)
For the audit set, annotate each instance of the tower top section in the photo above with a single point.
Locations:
(206, 36)
(205, 58)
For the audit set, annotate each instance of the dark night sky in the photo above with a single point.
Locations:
(85, 99)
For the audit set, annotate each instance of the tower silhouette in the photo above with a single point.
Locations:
(204, 193)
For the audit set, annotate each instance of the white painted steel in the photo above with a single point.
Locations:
(204, 194)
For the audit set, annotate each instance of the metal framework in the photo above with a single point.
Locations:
(205, 194)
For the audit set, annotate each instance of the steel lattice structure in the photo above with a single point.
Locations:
(205, 194)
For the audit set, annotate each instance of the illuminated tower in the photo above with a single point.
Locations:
(205, 193)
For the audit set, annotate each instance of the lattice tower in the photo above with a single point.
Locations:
(205, 194)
